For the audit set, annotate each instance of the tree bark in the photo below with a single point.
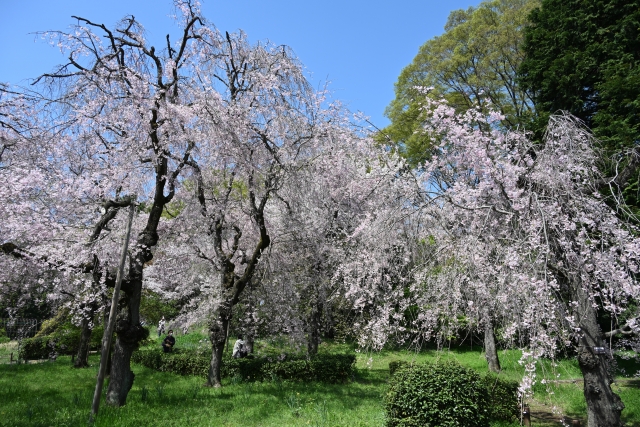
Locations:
(121, 378)
(121, 375)
(129, 333)
(217, 334)
(248, 342)
(82, 355)
(313, 330)
(604, 407)
(491, 353)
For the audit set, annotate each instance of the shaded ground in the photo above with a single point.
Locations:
(544, 415)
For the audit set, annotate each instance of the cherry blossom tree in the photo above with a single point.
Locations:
(347, 185)
(523, 235)
(112, 128)
(258, 124)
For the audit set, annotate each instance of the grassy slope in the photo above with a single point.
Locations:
(50, 394)
(55, 394)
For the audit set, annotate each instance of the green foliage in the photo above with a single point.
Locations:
(331, 368)
(443, 394)
(153, 307)
(179, 361)
(49, 326)
(170, 211)
(395, 365)
(502, 393)
(473, 64)
(503, 397)
(64, 338)
(582, 56)
(36, 348)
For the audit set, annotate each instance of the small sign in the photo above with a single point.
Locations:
(599, 350)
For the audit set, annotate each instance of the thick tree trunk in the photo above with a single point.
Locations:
(129, 333)
(491, 353)
(217, 334)
(105, 321)
(121, 378)
(82, 356)
(604, 407)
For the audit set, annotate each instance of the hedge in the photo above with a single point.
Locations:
(503, 398)
(63, 341)
(442, 394)
(500, 401)
(332, 368)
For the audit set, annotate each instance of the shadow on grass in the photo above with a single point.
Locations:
(627, 365)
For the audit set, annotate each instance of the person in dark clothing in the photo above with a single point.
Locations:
(169, 342)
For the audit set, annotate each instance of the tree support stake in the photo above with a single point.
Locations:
(108, 332)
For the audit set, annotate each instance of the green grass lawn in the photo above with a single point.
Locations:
(6, 351)
(55, 394)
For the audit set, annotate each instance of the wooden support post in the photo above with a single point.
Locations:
(526, 416)
(108, 331)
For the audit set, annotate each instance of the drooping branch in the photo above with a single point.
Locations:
(623, 330)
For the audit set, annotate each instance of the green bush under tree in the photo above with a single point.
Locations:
(446, 394)
(330, 368)
(63, 339)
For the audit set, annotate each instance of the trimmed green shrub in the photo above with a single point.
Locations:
(332, 368)
(503, 398)
(396, 365)
(36, 348)
(442, 394)
(502, 393)
(63, 341)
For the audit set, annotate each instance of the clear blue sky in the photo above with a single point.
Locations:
(358, 46)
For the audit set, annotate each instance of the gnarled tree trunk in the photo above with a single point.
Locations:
(604, 407)
(121, 378)
(129, 331)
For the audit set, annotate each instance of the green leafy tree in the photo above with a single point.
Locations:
(583, 56)
(153, 307)
(473, 64)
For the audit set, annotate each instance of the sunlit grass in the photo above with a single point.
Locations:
(55, 394)
(8, 350)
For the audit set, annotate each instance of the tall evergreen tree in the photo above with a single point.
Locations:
(583, 56)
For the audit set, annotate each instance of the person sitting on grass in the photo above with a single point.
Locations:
(168, 342)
